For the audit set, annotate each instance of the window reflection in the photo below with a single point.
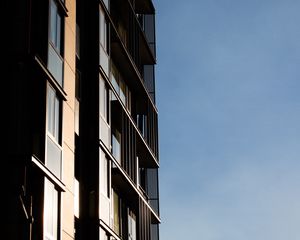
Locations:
(116, 145)
(55, 62)
(53, 148)
(50, 211)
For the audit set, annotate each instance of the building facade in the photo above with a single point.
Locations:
(81, 153)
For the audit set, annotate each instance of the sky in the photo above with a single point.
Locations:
(228, 97)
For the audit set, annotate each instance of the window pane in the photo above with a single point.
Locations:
(131, 226)
(53, 112)
(154, 232)
(55, 64)
(50, 109)
(58, 33)
(50, 211)
(53, 12)
(103, 29)
(116, 145)
(103, 98)
(104, 60)
(116, 213)
(55, 27)
(56, 119)
(103, 173)
(54, 159)
(128, 100)
(106, 2)
(114, 78)
(123, 91)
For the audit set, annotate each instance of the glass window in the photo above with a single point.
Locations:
(103, 95)
(53, 148)
(103, 29)
(131, 226)
(128, 100)
(103, 42)
(122, 93)
(120, 86)
(104, 174)
(114, 78)
(53, 113)
(116, 207)
(154, 232)
(55, 26)
(55, 61)
(106, 2)
(51, 211)
(116, 145)
(53, 157)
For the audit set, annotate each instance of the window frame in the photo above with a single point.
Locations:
(103, 30)
(59, 186)
(56, 141)
(57, 226)
(56, 40)
(61, 12)
(105, 190)
(103, 96)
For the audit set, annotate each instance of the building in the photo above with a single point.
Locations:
(81, 131)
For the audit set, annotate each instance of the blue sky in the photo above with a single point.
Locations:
(228, 95)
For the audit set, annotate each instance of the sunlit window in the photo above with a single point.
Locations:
(51, 211)
(55, 51)
(53, 147)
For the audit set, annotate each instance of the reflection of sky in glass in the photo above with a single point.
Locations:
(116, 146)
(51, 211)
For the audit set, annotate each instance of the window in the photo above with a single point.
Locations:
(103, 99)
(53, 147)
(104, 174)
(117, 213)
(55, 50)
(103, 29)
(106, 2)
(104, 113)
(103, 41)
(131, 226)
(120, 86)
(53, 109)
(55, 26)
(122, 32)
(104, 188)
(154, 231)
(116, 145)
(114, 78)
(51, 211)
(122, 92)
(141, 120)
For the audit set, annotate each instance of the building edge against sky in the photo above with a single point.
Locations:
(81, 153)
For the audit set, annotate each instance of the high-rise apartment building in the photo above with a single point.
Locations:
(81, 137)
